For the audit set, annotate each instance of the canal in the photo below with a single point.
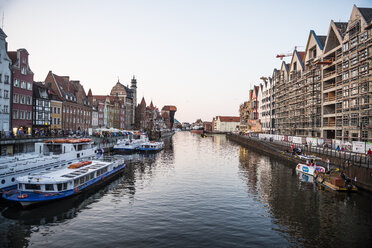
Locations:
(197, 192)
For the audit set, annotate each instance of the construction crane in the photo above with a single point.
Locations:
(282, 55)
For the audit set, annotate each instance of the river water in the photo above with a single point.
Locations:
(197, 192)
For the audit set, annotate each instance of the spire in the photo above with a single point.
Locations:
(151, 105)
(90, 93)
(143, 102)
(133, 83)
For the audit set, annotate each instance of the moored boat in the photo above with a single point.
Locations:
(336, 182)
(48, 154)
(59, 183)
(151, 146)
(134, 140)
(309, 168)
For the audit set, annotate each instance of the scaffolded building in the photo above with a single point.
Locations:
(326, 90)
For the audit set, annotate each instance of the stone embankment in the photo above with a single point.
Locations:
(360, 172)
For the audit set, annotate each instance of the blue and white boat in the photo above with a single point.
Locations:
(310, 167)
(48, 154)
(59, 183)
(130, 144)
(151, 146)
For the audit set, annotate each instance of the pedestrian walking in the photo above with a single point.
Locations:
(328, 165)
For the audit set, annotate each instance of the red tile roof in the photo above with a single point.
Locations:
(229, 119)
(169, 108)
(13, 56)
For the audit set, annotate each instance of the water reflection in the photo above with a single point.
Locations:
(305, 214)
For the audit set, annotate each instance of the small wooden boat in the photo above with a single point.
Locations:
(333, 181)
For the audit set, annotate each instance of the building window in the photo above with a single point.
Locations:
(22, 99)
(345, 46)
(29, 102)
(55, 121)
(55, 110)
(345, 76)
(354, 41)
(6, 109)
(16, 82)
(15, 114)
(59, 121)
(15, 98)
(23, 84)
(6, 79)
(6, 94)
(354, 73)
(364, 36)
(23, 71)
(354, 59)
(364, 68)
(22, 115)
(28, 115)
(29, 86)
(59, 110)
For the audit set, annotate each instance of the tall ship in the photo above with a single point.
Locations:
(58, 183)
(48, 154)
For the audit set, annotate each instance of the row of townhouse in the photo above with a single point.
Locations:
(325, 91)
(58, 103)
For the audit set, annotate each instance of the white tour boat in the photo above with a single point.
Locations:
(151, 146)
(132, 143)
(309, 167)
(48, 154)
(58, 183)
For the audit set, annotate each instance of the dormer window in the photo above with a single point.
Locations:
(295, 66)
(24, 60)
(23, 70)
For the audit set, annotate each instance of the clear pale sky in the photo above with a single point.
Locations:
(202, 56)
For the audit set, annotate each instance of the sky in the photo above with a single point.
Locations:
(202, 56)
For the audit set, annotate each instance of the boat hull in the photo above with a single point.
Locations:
(309, 170)
(36, 198)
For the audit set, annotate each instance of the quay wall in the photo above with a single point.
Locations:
(362, 176)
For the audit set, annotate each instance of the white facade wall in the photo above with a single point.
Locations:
(5, 81)
(226, 126)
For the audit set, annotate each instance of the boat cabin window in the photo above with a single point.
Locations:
(82, 180)
(32, 186)
(64, 186)
(80, 147)
(91, 175)
(52, 148)
(59, 186)
(76, 182)
(20, 186)
(49, 187)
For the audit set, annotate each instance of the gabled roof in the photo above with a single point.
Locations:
(366, 13)
(300, 57)
(341, 28)
(335, 35)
